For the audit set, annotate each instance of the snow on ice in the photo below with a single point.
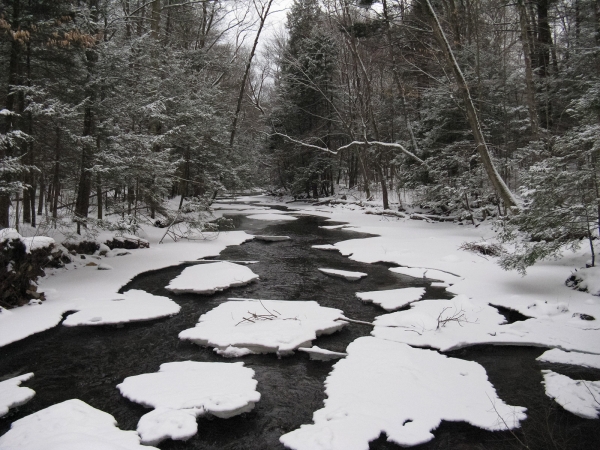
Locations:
(211, 277)
(266, 238)
(441, 324)
(182, 391)
(271, 217)
(421, 272)
(70, 425)
(574, 358)
(350, 276)
(392, 299)
(132, 306)
(239, 327)
(576, 396)
(406, 393)
(12, 394)
(326, 247)
(322, 354)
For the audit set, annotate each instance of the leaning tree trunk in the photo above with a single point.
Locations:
(263, 18)
(499, 185)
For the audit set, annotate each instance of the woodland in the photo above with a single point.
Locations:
(471, 110)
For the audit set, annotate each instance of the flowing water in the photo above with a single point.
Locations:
(88, 362)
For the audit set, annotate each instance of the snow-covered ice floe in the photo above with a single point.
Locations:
(322, 354)
(70, 425)
(12, 394)
(244, 326)
(461, 322)
(576, 396)
(448, 279)
(132, 306)
(441, 324)
(405, 393)
(575, 358)
(392, 299)
(326, 247)
(271, 217)
(266, 238)
(210, 278)
(182, 391)
(350, 276)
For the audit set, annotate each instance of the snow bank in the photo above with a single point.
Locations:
(182, 391)
(211, 277)
(576, 396)
(392, 299)
(79, 286)
(350, 276)
(12, 394)
(271, 217)
(587, 279)
(31, 243)
(132, 306)
(321, 354)
(405, 393)
(70, 425)
(235, 328)
(574, 358)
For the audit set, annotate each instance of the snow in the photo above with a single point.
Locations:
(579, 397)
(132, 306)
(405, 393)
(574, 358)
(326, 247)
(211, 277)
(31, 243)
(446, 278)
(70, 425)
(392, 299)
(182, 391)
(80, 287)
(350, 276)
(441, 324)
(240, 327)
(321, 354)
(12, 394)
(166, 423)
(588, 280)
(266, 238)
(271, 217)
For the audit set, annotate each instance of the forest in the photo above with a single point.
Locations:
(470, 110)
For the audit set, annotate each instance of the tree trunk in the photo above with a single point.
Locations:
(499, 185)
(530, 86)
(263, 17)
(13, 67)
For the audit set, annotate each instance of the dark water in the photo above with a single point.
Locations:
(88, 362)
